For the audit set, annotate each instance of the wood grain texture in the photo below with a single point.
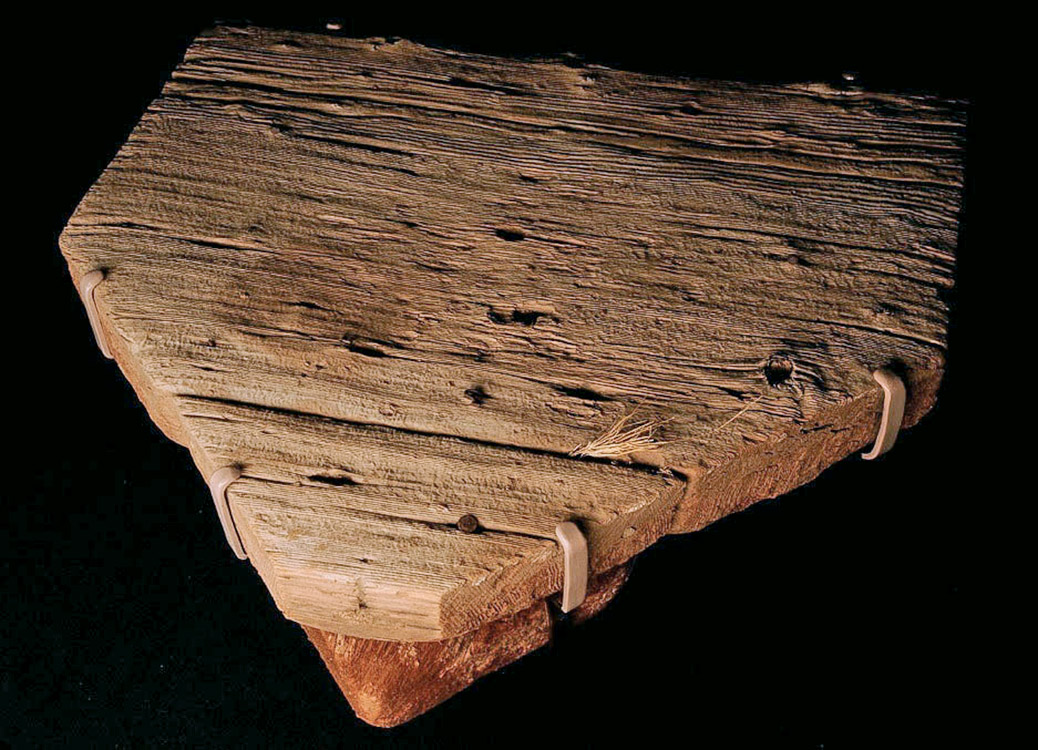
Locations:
(390, 682)
(401, 285)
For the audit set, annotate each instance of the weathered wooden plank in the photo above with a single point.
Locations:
(399, 285)
(391, 682)
(357, 525)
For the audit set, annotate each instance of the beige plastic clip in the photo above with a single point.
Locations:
(87, 285)
(218, 484)
(893, 413)
(574, 564)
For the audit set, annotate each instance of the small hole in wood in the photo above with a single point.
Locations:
(334, 479)
(367, 351)
(522, 317)
(510, 235)
(526, 317)
(587, 394)
(778, 370)
(478, 395)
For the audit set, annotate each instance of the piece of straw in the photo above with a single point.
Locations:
(625, 437)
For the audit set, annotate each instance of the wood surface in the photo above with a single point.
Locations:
(401, 286)
(390, 682)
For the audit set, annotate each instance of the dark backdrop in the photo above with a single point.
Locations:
(837, 612)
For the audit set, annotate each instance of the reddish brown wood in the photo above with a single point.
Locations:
(391, 682)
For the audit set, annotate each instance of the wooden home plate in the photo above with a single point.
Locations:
(397, 287)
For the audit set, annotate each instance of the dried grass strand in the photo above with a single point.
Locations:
(738, 414)
(624, 437)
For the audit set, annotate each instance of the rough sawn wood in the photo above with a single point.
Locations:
(400, 285)
(390, 682)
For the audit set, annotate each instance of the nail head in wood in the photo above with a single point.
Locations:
(893, 412)
(87, 285)
(218, 483)
(468, 524)
(574, 564)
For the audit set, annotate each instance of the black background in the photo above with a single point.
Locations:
(838, 612)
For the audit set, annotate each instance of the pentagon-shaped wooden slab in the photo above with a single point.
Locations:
(398, 286)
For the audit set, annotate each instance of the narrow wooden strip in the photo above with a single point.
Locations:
(355, 528)
(389, 683)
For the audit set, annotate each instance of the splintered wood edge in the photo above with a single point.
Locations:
(390, 682)
(749, 460)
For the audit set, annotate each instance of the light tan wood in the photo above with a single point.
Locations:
(398, 286)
